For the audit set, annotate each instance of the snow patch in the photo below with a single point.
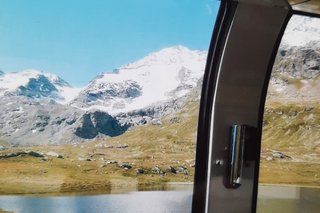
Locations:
(301, 30)
(68, 94)
(52, 154)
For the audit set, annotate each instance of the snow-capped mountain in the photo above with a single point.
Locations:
(36, 84)
(161, 76)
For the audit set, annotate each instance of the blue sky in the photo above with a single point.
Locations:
(78, 39)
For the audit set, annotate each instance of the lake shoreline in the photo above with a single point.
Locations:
(121, 187)
(124, 187)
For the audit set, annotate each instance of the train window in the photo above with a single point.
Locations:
(290, 154)
(99, 103)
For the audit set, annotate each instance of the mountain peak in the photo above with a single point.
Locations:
(32, 73)
(179, 48)
(167, 56)
(34, 84)
(160, 76)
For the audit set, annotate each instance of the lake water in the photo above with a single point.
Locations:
(140, 202)
(273, 199)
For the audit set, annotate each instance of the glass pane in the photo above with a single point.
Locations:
(290, 154)
(99, 103)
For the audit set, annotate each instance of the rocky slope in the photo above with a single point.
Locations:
(25, 122)
(296, 71)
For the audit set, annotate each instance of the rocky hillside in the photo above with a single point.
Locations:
(25, 122)
(143, 157)
(296, 71)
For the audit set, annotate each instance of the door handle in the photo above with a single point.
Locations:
(236, 155)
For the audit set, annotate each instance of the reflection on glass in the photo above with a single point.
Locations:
(290, 153)
(100, 97)
(279, 199)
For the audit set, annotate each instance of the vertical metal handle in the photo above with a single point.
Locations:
(237, 140)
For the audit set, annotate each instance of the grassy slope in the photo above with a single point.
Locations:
(293, 129)
(3, 211)
(170, 144)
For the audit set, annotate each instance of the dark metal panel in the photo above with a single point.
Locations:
(240, 79)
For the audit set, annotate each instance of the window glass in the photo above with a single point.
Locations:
(100, 98)
(290, 154)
